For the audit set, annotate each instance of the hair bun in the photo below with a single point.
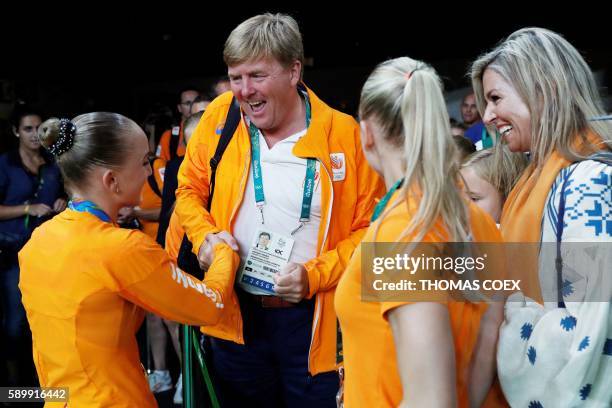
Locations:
(65, 138)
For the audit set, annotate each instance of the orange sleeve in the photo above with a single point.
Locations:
(147, 278)
(193, 187)
(325, 271)
(174, 237)
(163, 148)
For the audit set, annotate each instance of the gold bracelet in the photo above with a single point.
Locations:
(26, 209)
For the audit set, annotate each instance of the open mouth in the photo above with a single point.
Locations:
(503, 131)
(257, 106)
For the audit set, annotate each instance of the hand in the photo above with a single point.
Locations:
(291, 283)
(38, 210)
(206, 253)
(125, 215)
(59, 205)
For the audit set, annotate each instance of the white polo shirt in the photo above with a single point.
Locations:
(283, 177)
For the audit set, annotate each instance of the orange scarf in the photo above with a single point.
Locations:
(521, 219)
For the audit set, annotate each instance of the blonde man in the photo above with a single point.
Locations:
(278, 347)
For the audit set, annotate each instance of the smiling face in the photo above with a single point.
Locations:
(266, 91)
(506, 111)
(27, 132)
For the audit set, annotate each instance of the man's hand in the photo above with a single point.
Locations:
(206, 254)
(291, 283)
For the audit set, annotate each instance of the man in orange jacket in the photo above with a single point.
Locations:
(172, 144)
(293, 169)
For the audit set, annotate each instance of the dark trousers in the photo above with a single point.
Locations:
(271, 369)
(16, 350)
(14, 319)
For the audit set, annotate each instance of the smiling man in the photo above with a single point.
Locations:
(295, 168)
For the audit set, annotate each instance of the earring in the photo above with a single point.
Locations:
(117, 189)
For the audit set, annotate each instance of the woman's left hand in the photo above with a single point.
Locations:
(59, 205)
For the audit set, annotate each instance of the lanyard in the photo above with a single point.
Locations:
(380, 207)
(90, 207)
(260, 198)
(41, 181)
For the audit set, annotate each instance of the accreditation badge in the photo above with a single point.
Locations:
(268, 254)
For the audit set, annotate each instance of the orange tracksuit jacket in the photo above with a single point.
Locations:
(85, 284)
(370, 359)
(347, 204)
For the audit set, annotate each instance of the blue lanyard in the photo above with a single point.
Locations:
(90, 207)
(260, 198)
(380, 207)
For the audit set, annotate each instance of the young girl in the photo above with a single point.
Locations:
(85, 281)
(490, 175)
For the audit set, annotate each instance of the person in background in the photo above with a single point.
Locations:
(172, 142)
(475, 128)
(200, 104)
(31, 192)
(221, 85)
(171, 181)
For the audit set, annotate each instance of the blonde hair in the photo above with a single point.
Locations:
(99, 139)
(498, 166)
(263, 36)
(404, 97)
(555, 83)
